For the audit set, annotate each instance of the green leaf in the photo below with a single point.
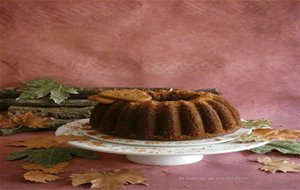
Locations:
(286, 147)
(18, 155)
(52, 156)
(256, 123)
(36, 89)
(49, 157)
(84, 153)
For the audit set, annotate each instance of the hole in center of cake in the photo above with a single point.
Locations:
(175, 97)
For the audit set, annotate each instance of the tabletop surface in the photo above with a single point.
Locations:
(223, 171)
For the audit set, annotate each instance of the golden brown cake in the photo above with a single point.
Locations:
(168, 115)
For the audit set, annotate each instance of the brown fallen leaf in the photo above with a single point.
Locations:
(79, 179)
(40, 142)
(273, 166)
(27, 119)
(288, 134)
(6, 122)
(40, 177)
(58, 168)
(265, 132)
(30, 120)
(271, 134)
(109, 180)
(262, 134)
(47, 141)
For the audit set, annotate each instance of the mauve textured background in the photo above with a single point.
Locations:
(249, 50)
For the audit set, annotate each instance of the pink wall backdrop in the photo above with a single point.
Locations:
(249, 50)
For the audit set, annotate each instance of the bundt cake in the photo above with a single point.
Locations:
(167, 115)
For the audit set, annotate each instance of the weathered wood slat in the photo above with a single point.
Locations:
(55, 112)
(46, 103)
(11, 92)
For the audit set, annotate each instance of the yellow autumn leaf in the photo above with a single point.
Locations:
(58, 168)
(40, 177)
(47, 141)
(109, 180)
(272, 165)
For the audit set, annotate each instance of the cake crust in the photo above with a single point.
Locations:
(167, 115)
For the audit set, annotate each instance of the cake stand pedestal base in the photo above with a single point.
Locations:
(164, 160)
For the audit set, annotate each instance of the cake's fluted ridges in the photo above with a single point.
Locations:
(210, 118)
(226, 117)
(168, 121)
(191, 122)
(231, 108)
(126, 122)
(97, 114)
(110, 116)
(146, 127)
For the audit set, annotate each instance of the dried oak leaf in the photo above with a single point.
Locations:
(40, 177)
(273, 166)
(30, 120)
(48, 141)
(258, 135)
(109, 180)
(271, 134)
(58, 168)
(41, 142)
(6, 122)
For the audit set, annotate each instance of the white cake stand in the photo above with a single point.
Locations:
(145, 152)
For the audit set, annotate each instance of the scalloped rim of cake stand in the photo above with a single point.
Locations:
(214, 140)
(194, 142)
(155, 155)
